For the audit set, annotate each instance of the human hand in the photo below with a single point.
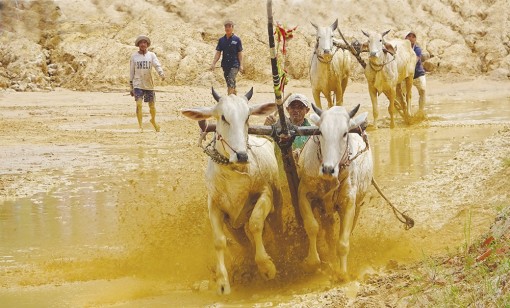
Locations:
(270, 120)
(241, 69)
(132, 93)
(212, 67)
(163, 77)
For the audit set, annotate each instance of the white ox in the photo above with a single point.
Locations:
(329, 67)
(335, 172)
(389, 64)
(242, 183)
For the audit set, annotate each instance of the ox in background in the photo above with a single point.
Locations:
(390, 67)
(329, 67)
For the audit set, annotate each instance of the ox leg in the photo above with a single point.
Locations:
(220, 244)
(347, 217)
(317, 98)
(375, 108)
(339, 94)
(329, 222)
(256, 227)
(311, 227)
(391, 108)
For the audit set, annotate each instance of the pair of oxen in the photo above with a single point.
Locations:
(335, 170)
(390, 70)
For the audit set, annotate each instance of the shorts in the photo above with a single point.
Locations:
(148, 95)
(420, 83)
(230, 76)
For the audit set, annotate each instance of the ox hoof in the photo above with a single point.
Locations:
(340, 277)
(267, 270)
(223, 288)
(312, 262)
(420, 115)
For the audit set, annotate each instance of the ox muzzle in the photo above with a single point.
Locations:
(242, 157)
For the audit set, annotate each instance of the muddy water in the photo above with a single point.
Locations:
(130, 230)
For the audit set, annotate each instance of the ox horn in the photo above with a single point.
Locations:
(334, 25)
(317, 110)
(386, 32)
(215, 95)
(366, 34)
(249, 94)
(352, 113)
(315, 26)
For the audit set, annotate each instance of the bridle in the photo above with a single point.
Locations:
(379, 67)
(345, 161)
(320, 58)
(214, 154)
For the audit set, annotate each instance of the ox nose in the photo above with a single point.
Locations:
(373, 53)
(327, 170)
(242, 157)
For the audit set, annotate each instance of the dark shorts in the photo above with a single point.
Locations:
(230, 76)
(148, 95)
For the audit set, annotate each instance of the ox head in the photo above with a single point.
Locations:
(376, 45)
(324, 44)
(231, 113)
(334, 125)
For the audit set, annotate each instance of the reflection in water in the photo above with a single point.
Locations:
(404, 155)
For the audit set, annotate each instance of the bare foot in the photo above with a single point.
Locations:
(156, 126)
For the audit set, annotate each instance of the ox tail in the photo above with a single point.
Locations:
(405, 219)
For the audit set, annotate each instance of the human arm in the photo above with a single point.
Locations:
(131, 75)
(240, 58)
(158, 67)
(216, 58)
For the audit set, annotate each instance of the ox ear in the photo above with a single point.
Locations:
(364, 47)
(359, 120)
(315, 26)
(315, 119)
(389, 47)
(366, 34)
(249, 94)
(334, 25)
(353, 111)
(262, 109)
(215, 95)
(199, 113)
(317, 110)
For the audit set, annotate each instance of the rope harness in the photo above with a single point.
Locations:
(379, 67)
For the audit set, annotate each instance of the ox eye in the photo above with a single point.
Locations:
(345, 134)
(224, 120)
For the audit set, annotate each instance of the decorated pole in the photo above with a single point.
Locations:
(284, 140)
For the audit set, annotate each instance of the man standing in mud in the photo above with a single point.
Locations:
(419, 73)
(232, 60)
(140, 79)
